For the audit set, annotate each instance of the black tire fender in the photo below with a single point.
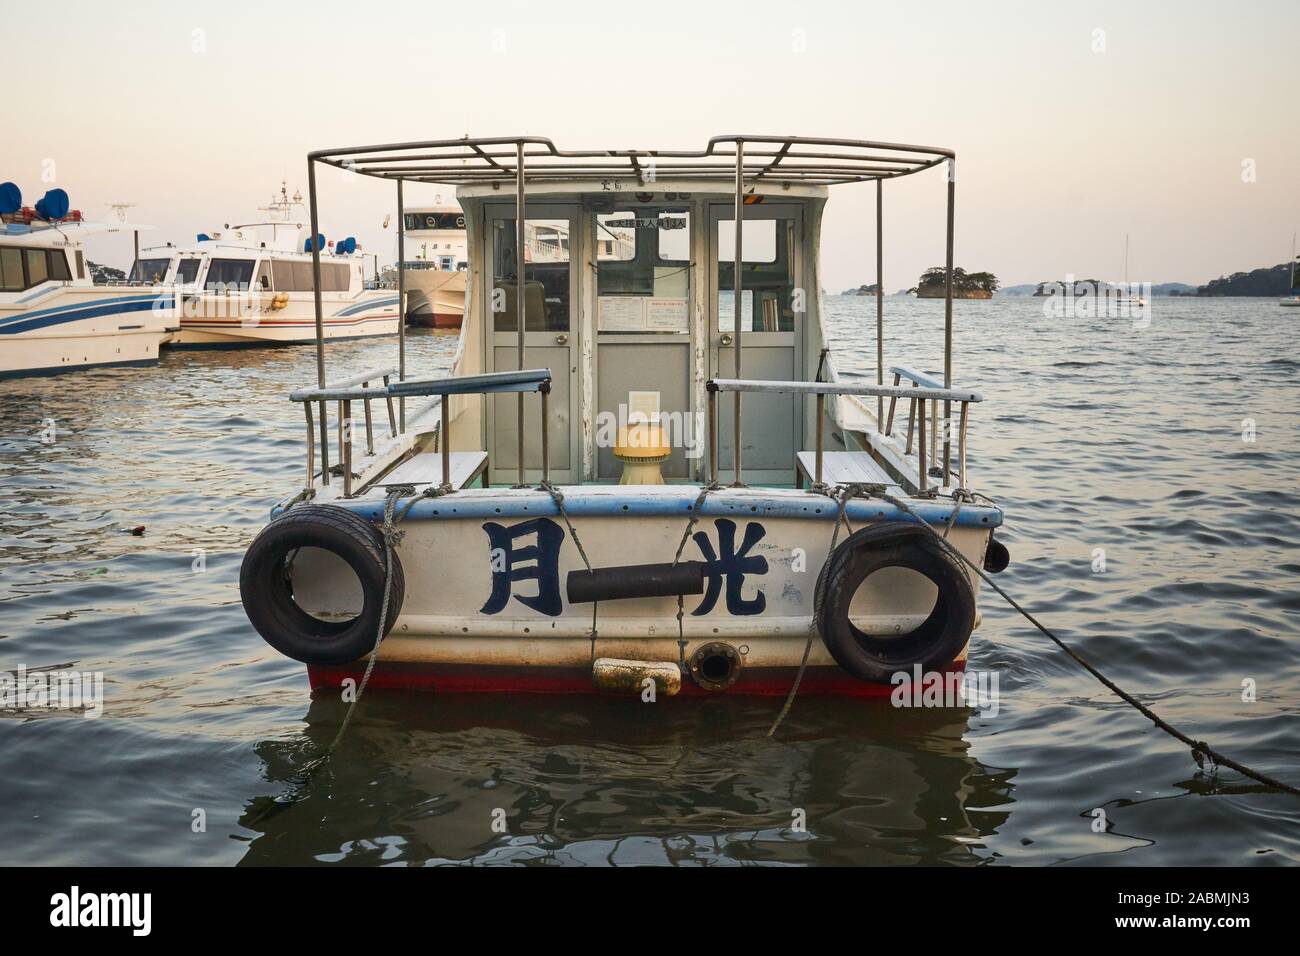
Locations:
(267, 593)
(935, 643)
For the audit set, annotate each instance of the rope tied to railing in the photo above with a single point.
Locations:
(558, 497)
(696, 510)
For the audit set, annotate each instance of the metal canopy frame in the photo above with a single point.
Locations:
(736, 160)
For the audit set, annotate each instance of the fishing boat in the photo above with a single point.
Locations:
(438, 267)
(253, 284)
(644, 473)
(53, 317)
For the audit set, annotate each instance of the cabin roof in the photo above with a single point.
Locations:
(785, 160)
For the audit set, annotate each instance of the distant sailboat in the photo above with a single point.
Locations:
(1126, 297)
(1294, 298)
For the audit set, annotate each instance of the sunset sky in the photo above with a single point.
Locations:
(1072, 127)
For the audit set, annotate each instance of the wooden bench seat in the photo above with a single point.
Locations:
(426, 469)
(844, 467)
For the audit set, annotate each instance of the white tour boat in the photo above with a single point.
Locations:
(53, 318)
(252, 284)
(581, 505)
(436, 264)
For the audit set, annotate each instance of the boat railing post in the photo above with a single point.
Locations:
(920, 451)
(736, 294)
(401, 302)
(520, 299)
(880, 304)
(444, 441)
(345, 444)
(911, 422)
(961, 445)
(947, 322)
(392, 418)
(713, 433)
(370, 425)
(320, 321)
(311, 449)
(893, 401)
(545, 389)
(821, 434)
(934, 430)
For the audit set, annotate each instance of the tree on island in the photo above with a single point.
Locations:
(934, 282)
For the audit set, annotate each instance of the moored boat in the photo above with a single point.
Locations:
(253, 284)
(436, 265)
(53, 317)
(656, 479)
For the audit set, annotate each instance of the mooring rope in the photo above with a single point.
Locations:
(841, 498)
(1200, 749)
(696, 509)
(558, 497)
(391, 536)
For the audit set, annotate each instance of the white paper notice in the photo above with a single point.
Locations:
(666, 315)
(727, 311)
(621, 313)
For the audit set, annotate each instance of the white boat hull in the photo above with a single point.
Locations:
(467, 625)
(435, 297)
(77, 328)
(214, 320)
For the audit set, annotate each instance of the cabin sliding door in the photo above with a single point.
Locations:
(772, 312)
(643, 330)
(550, 279)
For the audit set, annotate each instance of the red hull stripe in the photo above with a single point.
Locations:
(467, 679)
(225, 323)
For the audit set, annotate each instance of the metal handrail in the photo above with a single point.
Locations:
(964, 397)
(358, 388)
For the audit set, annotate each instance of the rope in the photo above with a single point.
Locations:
(841, 498)
(558, 497)
(1200, 749)
(391, 536)
(696, 509)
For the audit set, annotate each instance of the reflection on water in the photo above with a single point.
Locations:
(1094, 436)
(596, 781)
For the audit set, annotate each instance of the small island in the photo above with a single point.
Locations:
(965, 285)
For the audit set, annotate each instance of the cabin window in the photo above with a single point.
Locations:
(294, 275)
(226, 274)
(38, 269)
(11, 270)
(59, 266)
(187, 271)
(434, 220)
(149, 270)
(616, 236)
(333, 277)
(643, 270)
(546, 275)
(81, 265)
(767, 275)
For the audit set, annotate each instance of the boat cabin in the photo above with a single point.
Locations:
(638, 289)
